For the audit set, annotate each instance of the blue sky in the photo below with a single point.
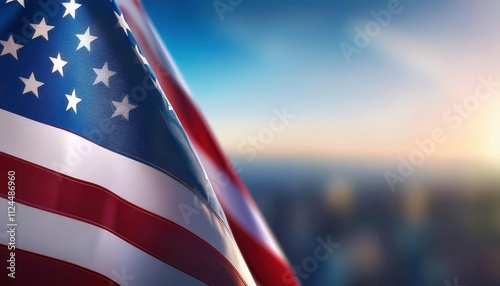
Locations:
(272, 54)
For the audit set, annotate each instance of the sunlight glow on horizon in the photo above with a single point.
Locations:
(395, 91)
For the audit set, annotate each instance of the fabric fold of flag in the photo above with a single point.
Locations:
(104, 170)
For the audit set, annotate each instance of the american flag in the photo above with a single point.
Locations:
(252, 234)
(106, 180)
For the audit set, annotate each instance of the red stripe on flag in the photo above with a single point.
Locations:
(35, 269)
(169, 242)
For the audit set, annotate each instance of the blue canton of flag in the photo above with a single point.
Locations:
(78, 67)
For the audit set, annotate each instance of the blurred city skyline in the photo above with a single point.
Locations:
(276, 54)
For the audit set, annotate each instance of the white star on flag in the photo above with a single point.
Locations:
(72, 101)
(123, 108)
(58, 64)
(20, 2)
(31, 84)
(85, 39)
(164, 97)
(122, 23)
(42, 29)
(141, 57)
(71, 7)
(103, 75)
(10, 47)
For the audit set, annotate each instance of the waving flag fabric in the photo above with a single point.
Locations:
(103, 170)
(260, 250)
